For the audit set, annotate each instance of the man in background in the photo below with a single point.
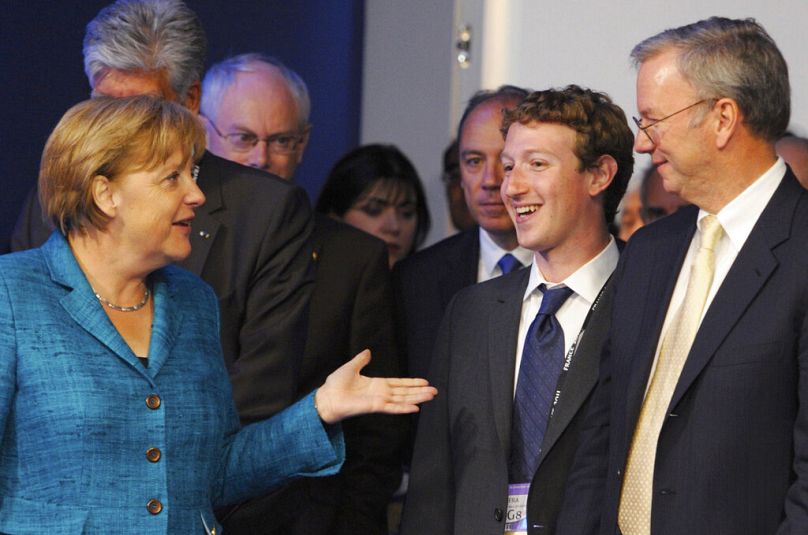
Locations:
(426, 281)
(647, 203)
(458, 210)
(654, 200)
(794, 150)
(256, 111)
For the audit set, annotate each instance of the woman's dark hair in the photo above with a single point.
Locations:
(358, 171)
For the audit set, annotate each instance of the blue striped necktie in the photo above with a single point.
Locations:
(542, 360)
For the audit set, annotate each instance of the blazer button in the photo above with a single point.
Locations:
(498, 514)
(154, 507)
(153, 401)
(153, 455)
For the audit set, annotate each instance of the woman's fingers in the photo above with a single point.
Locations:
(406, 382)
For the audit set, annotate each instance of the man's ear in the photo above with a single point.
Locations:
(602, 174)
(104, 196)
(194, 97)
(729, 120)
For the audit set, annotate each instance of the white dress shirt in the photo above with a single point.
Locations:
(737, 219)
(490, 253)
(585, 283)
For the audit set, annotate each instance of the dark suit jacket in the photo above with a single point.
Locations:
(351, 310)
(424, 284)
(732, 454)
(459, 478)
(250, 242)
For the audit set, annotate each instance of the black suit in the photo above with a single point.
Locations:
(732, 453)
(351, 310)
(425, 283)
(459, 478)
(250, 242)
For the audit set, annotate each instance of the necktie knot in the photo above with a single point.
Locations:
(508, 263)
(553, 298)
(711, 231)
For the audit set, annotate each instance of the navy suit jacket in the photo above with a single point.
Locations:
(732, 456)
(459, 478)
(79, 411)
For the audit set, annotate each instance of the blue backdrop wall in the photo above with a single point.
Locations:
(42, 75)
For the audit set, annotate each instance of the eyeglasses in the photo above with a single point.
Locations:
(638, 121)
(283, 143)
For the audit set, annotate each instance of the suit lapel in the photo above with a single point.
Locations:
(583, 372)
(168, 317)
(205, 225)
(503, 332)
(80, 302)
(747, 276)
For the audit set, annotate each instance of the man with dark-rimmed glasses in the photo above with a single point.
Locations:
(256, 111)
(700, 423)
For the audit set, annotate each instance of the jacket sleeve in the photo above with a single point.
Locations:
(264, 455)
(429, 509)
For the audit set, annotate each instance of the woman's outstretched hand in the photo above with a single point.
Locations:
(347, 393)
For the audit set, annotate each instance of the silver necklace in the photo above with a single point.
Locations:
(119, 308)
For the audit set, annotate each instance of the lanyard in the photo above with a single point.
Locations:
(562, 377)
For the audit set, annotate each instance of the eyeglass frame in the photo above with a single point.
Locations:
(644, 129)
(269, 140)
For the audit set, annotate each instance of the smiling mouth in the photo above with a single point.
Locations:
(184, 222)
(526, 210)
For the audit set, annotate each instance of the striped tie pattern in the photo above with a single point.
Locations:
(542, 360)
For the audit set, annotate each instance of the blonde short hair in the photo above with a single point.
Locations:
(110, 137)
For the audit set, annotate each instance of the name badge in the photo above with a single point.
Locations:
(516, 517)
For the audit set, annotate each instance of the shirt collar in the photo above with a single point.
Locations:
(588, 279)
(739, 216)
(490, 252)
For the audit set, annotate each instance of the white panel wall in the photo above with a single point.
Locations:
(407, 87)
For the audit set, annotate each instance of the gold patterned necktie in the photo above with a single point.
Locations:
(634, 514)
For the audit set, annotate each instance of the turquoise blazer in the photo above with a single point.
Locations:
(94, 442)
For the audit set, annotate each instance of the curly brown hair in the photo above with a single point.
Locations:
(600, 126)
